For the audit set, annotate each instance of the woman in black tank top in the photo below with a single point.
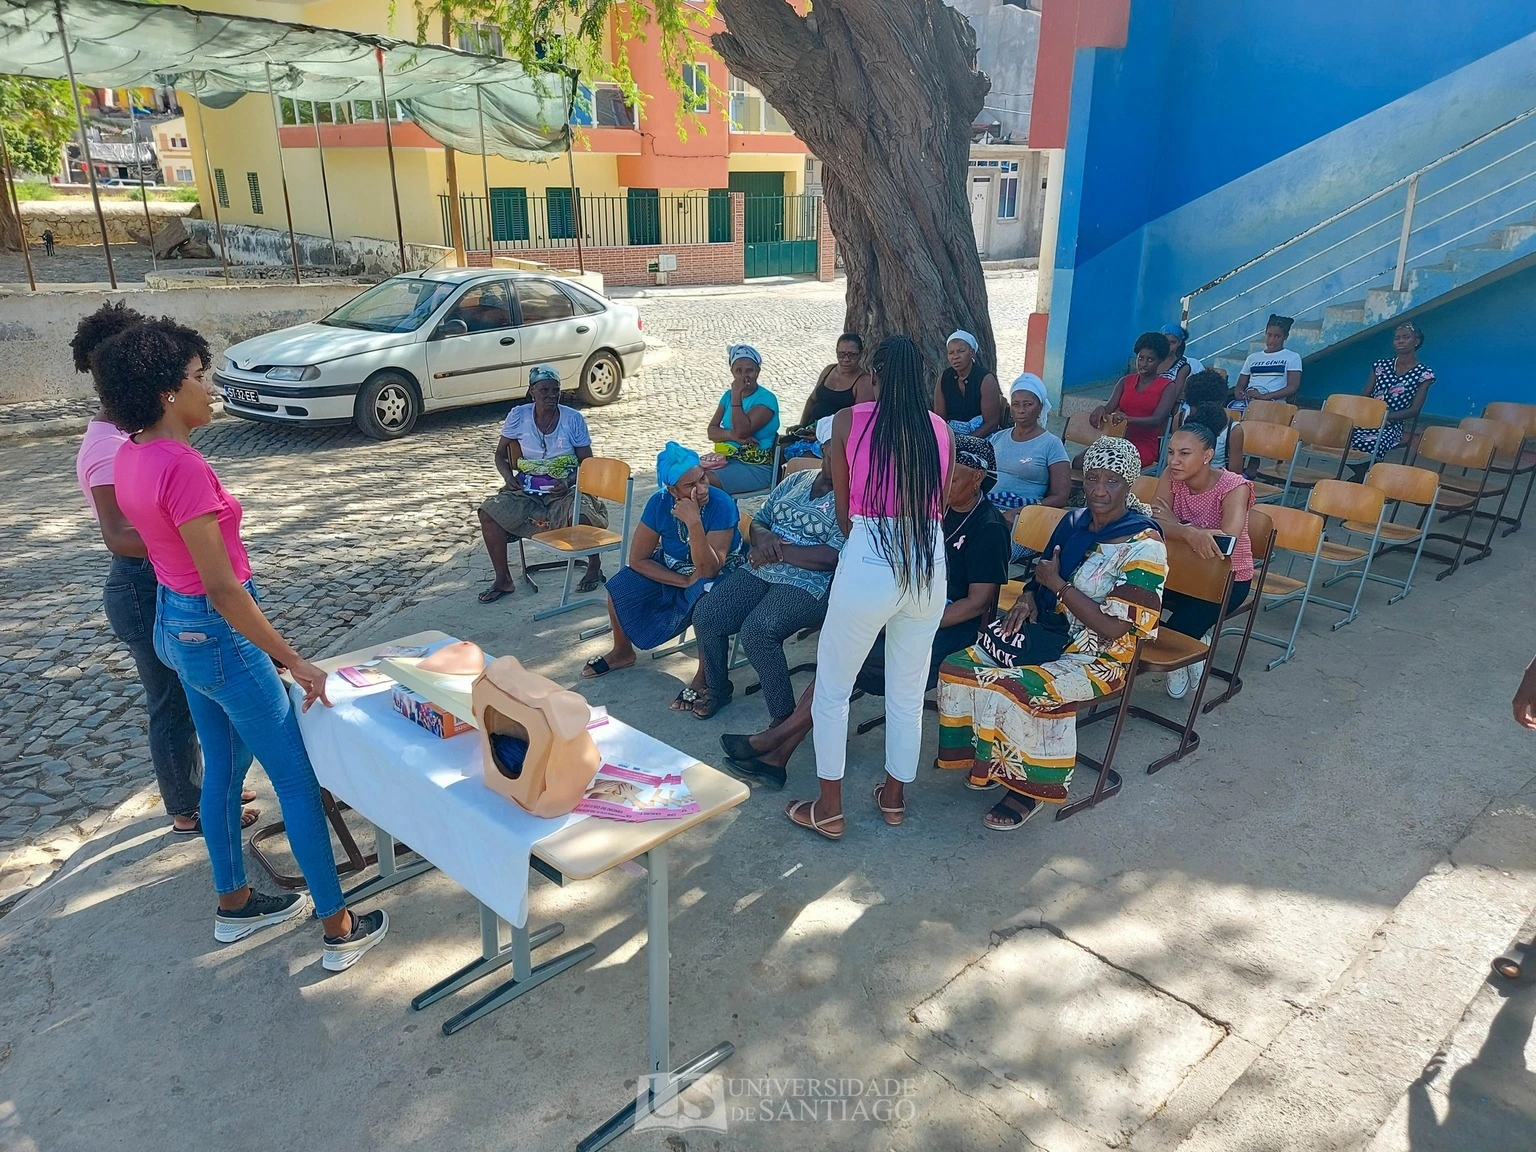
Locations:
(841, 385)
(976, 407)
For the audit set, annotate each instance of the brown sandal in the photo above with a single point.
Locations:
(796, 809)
(891, 816)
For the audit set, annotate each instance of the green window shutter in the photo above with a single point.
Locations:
(560, 208)
(719, 216)
(509, 214)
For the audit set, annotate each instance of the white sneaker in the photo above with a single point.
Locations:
(1178, 683)
(1196, 670)
(341, 952)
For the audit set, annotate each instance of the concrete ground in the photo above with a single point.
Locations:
(1279, 943)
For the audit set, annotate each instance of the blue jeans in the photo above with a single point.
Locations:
(129, 601)
(241, 709)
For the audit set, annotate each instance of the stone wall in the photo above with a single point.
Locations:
(73, 222)
(36, 327)
(270, 247)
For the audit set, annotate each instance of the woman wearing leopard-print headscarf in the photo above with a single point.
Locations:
(1005, 704)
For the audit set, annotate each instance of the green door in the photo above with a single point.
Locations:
(780, 230)
(644, 212)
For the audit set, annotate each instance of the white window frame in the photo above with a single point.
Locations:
(692, 75)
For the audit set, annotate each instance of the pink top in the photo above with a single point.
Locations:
(1203, 510)
(163, 485)
(93, 463)
(859, 463)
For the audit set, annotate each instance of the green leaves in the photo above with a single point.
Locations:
(37, 120)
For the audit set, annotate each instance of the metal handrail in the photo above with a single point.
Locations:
(1411, 179)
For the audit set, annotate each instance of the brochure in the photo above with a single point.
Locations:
(363, 676)
(621, 792)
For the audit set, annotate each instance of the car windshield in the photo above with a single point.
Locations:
(398, 305)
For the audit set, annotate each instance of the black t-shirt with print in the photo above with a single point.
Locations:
(976, 548)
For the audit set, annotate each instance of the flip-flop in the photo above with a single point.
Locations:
(493, 594)
(592, 583)
(248, 817)
(599, 666)
(795, 809)
(981, 784)
(247, 795)
(886, 814)
(683, 701)
(988, 821)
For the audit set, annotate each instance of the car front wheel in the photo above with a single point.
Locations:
(387, 407)
(601, 378)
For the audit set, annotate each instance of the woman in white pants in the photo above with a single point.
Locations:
(890, 460)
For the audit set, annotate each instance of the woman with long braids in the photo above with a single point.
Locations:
(890, 461)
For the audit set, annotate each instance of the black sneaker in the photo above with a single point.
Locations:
(260, 911)
(341, 952)
(751, 770)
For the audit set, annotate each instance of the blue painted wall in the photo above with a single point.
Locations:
(1481, 347)
(1224, 128)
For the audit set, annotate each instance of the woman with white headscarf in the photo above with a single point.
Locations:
(745, 425)
(967, 395)
(1005, 704)
(1032, 464)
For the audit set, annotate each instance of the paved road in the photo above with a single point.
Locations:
(337, 526)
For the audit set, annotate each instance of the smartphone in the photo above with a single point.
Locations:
(1225, 543)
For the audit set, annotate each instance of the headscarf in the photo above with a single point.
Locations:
(1075, 534)
(735, 352)
(1033, 384)
(673, 462)
(1178, 331)
(962, 335)
(974, 452)
(542, 372)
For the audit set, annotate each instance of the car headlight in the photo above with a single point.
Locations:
(293, 372)
(225, 364)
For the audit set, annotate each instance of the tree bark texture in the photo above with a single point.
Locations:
(884, 92)
(10, 227)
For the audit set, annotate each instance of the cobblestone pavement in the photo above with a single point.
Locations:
(338, 526)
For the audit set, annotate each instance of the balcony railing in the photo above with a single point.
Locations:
(508, 220)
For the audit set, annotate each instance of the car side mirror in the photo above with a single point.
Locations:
(454, 327)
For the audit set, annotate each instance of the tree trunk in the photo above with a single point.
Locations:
(884, 92)
(10, 227)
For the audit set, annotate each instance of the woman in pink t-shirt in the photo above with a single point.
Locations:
(210, 628)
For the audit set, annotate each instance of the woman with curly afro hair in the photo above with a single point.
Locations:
(210, 628)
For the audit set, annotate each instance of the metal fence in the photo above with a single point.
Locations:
(511, 220)
(780, 234)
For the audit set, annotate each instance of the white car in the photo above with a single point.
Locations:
(430, 340)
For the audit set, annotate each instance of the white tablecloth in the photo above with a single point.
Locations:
(429, 792)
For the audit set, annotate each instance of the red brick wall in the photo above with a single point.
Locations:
(627, 266)
(826, 247)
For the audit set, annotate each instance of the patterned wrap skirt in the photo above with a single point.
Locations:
(652, 613)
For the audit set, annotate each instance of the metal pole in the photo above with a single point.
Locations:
(85, 144)
(1402, 241)
(485, 175)
(282, 171)
(570, 160)
(213, 187)
(325, 188)
(389, 142)
(10, 194)
(143, 193)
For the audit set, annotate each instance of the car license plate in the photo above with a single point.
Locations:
(242, 395)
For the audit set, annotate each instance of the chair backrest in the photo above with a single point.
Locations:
(1145, 488)
(1361, 411)
(1269, 441)
(1325, 429)
(1457, 447)
(1509, 439)
(1296, 530)
(1401, 482)
(744, 524)
(605, 478)
(1034, 526)
(1512, 413)
(1261, 531)
(1347, 501)
(1196, 576)
(1235, 415)
(802, 464)
(1080, 429)
(1269, 411)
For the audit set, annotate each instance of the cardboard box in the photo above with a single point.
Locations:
(434, 718)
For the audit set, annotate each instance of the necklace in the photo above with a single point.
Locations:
(950, 537)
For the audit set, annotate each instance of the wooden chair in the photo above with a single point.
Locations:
(1324, 433)
(1472, 453)
(1270, 412)
(1348, 503)
(1265, 441)
(1261, 532)
(1080, 430)
(1509, 447)
(1365, 414)
(1145, 488)
(802, 464)
(1299, 534)
(1208, 580)
(606, 479)
(1032, 529)
(1400, 485)
(1525, 416)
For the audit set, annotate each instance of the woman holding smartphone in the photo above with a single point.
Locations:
(1207, 508)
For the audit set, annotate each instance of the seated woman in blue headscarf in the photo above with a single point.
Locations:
(687, 538)
(744, 428)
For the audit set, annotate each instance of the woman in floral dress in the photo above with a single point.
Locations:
(1403, 383)
(1007, 705)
